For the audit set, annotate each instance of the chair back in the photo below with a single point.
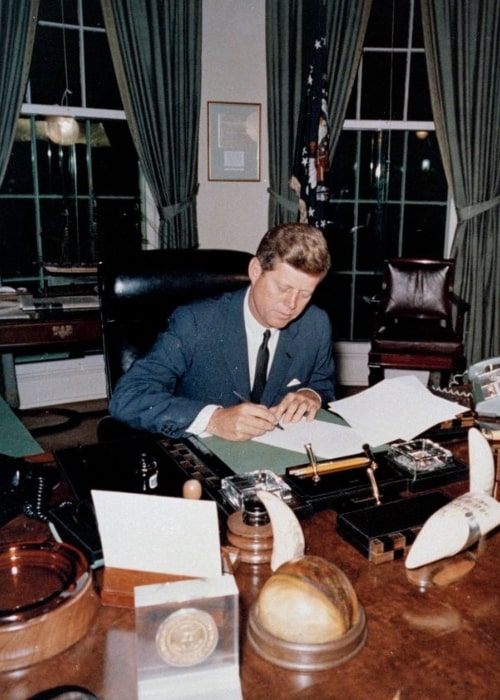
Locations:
(138, 295)
(417, 289)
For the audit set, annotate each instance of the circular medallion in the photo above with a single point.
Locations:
(187, 637)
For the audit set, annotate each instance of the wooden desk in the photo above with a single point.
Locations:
(444, 643)
(47, 332)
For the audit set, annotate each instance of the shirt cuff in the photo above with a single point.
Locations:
(199, 425)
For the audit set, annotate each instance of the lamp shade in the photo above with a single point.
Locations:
(64, 131)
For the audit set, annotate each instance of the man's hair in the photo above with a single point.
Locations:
(300, 245)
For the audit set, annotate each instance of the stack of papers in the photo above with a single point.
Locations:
(394, 409)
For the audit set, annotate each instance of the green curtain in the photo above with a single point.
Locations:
(17, 33)
(346, 22)
(156, 51)
(463, 61)
(284, 86)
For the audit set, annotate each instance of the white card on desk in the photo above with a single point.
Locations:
(144, 532)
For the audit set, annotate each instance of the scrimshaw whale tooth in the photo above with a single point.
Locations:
(288, 538)
(460, 523)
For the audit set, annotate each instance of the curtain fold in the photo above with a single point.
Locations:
(284, 87)
(156, 52)
(17, 32)
(463, 63)
(346, 23)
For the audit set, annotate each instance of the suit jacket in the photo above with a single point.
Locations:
(202, 359)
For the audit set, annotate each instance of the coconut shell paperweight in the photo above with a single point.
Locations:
(307, 617)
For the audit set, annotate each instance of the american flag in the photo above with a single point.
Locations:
(312, 159)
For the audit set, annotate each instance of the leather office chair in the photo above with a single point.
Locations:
(418, 320)
(138, 295)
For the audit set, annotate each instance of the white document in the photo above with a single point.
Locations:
(160, 534)
(329, 440)
(393, 409)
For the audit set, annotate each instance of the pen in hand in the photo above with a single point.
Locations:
(242, 398)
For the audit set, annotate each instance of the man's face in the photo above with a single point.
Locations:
(279, 295)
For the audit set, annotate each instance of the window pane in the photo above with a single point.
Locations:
(424, 229)
(419, 99)
(341, 310)
(48, 73)
(382, 90)
(388, 28)
(19, 176)
(341, 177)
(92, 13)
(381, 161)
(66, 232)
(366, 287)
(418, 34)
(50, 10)
(115, 166)
(118, 226)
(18, 255)
(339, 235)
(425, 179)
(102, 88)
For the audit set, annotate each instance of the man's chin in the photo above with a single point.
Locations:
(281, 322)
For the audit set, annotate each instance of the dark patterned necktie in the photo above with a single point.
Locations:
(260, 379)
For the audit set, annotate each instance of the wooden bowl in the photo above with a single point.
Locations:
(47, 601)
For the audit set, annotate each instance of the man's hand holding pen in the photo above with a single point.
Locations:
(242, 422)
(248, 420)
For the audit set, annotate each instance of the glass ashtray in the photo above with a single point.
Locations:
(237, 489)
(418, 456)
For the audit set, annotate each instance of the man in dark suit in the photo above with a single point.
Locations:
(208, 372)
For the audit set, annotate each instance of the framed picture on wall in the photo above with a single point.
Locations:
(234, 141)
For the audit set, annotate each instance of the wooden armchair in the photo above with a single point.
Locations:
(418, 320)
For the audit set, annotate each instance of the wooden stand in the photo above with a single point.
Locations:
(305, 657)
(255, 542)
(118, 584)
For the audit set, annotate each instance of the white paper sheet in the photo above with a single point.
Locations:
(329, 440)
(393, 409)
(159, 534)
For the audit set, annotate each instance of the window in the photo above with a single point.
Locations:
(65, 202)
(388, 192)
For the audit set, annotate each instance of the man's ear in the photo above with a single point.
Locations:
(254, 269)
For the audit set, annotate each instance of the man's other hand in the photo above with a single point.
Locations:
(297, 405)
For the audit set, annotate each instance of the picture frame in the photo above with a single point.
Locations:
(234, 133)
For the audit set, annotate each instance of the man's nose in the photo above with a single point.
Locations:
(292, 299)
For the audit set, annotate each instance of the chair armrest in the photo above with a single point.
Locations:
(462, 307)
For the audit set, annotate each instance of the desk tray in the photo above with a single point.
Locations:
(386, 532)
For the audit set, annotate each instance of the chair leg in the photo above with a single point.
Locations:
(439, 379)
(375, 375)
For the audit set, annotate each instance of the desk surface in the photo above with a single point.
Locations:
(443, 643)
